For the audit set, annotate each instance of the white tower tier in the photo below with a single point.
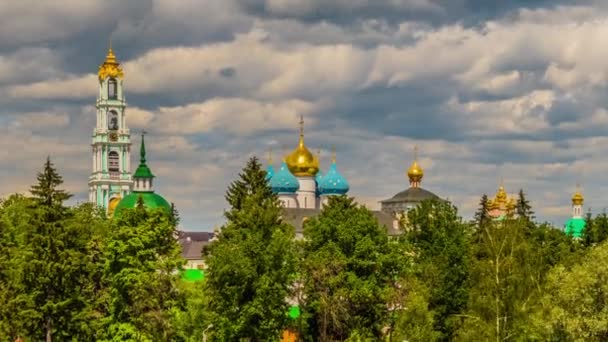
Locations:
(110, 178)
(307, 194)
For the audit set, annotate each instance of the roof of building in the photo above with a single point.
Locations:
(411, 195)
(192, 243)
(333, 183)
(297, 216)
(143, 171)
(575, 227)
(283, 181)
(150, 200)
(301, 161)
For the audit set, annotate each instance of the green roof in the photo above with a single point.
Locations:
(575, 227)
(143, 171)
(193, 274)
(151, 201)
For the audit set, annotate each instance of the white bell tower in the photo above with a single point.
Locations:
(111, 178)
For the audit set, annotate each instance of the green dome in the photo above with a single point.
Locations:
(575, 227)
(151, 201)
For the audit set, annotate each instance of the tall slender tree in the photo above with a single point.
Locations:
(523, 208)
(47, 189)
(442, 246)
(482, 216)
(251, 265)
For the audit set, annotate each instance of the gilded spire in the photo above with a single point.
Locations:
(333, 154)
(270, 155)
(415, 172)
(110, 67)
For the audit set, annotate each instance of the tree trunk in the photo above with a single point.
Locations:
(49, 334)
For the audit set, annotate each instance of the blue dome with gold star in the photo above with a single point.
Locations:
(333, 183)
(283, 181)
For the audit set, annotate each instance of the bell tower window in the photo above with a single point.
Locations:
(112, 120)
(112, 89)
(113, 161)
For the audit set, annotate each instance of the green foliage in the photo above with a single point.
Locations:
(523, 209)
(596, 230)
(574, 300)
(441, 241)
(46, 278)
(251, 266)
(141, 257)
(46, 191)
(349, 271)
(482, 217)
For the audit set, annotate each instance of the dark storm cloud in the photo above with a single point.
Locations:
(436, 12)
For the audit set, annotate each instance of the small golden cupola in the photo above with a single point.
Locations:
(577, 198)
(415, 172)
(110, 67)
(301, 162)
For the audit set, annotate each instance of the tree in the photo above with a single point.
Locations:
(141, 259)
(597, 231)
(349, 270)
(441, 241)
(523, 208)
(506, 277)
(482, 217)
(46, 190)
(574, 301)
(45, 272)
(251, 265)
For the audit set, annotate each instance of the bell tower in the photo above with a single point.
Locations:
(111, 178)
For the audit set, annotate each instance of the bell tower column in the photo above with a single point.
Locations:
(110, 178)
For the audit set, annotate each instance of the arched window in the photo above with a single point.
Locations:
(112, 89)
(113, 164)
(112, 120)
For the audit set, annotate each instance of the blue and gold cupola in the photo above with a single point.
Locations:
(333, 183)
(283, 182)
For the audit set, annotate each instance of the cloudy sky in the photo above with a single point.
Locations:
(487, 90)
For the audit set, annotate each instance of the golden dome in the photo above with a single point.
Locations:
(112, 205)
(577, 198)
(301, 162)
(501, 195)
(110, 67)
(415, 172)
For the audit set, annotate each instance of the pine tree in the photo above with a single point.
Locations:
(481, 216)
(46, 190)
(251, 265)
(252, 181)
(174, 215)
(48, 262)
(523, 207)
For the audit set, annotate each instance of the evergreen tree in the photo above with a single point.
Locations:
(588, 232)
(174, 215)
(523, 208)
(441, 240)
(349, 270)
(252, 263)
(46, 191)
(251, 182)
(46, 269)
(481, 215)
